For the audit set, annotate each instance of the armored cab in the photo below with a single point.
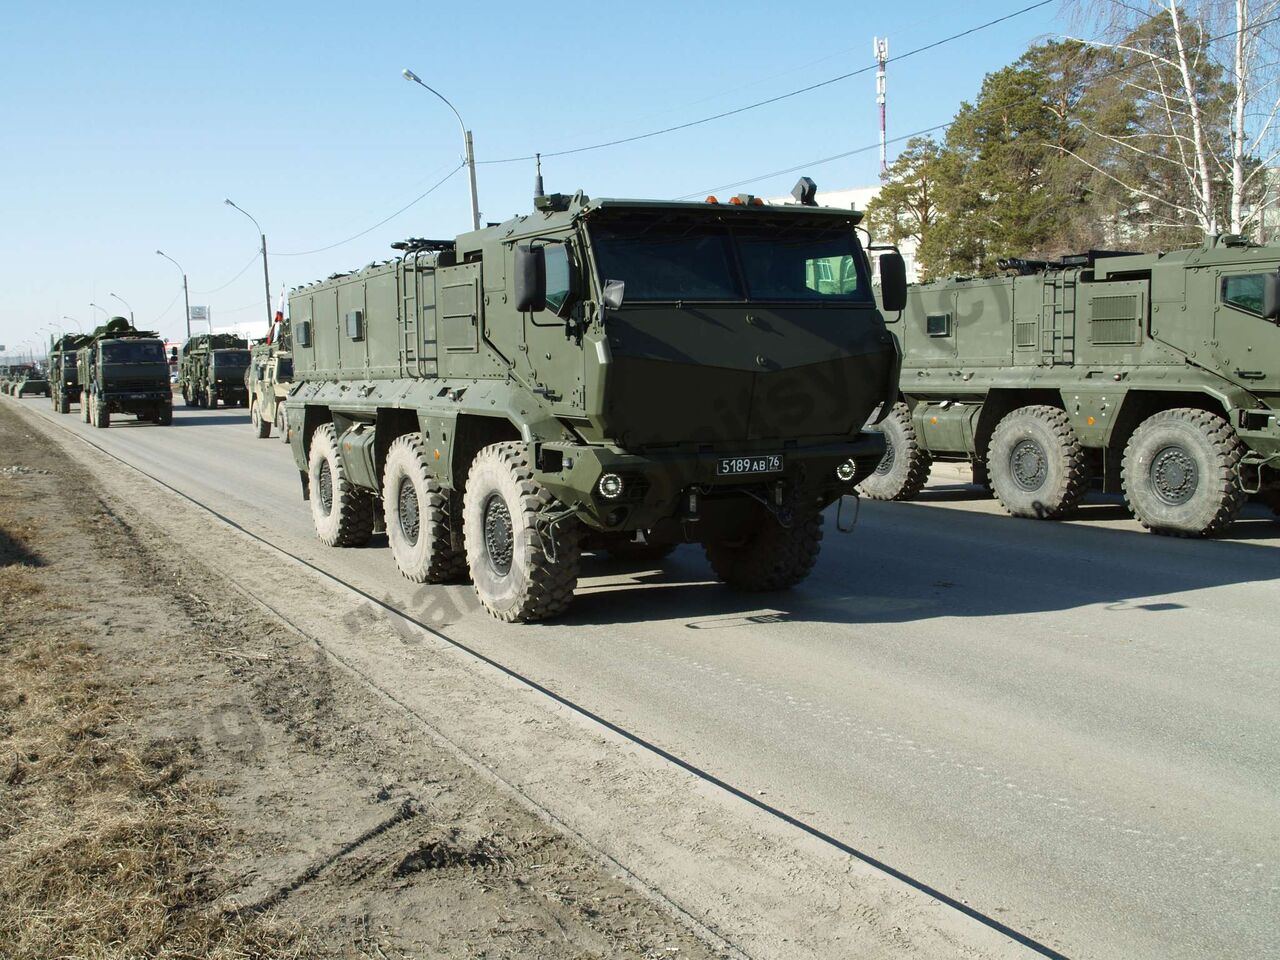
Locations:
(1155, 375)
(613, 374)
(123, 370)
(212, 368)
(267, 379)
(64, 377)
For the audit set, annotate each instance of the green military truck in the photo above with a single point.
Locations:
(1153, 375)
(123, 370)
(267, 380)
(23, 378)
(615, 374)
(212, 368)
(64, 377)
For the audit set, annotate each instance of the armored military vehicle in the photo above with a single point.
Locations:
(13, 376)
(617, 373)
(1155, 375)
(123, 370)
(267, 380)
(64, 379)
(212, 368)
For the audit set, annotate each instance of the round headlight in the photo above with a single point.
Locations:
(610, 486)
(846, 471)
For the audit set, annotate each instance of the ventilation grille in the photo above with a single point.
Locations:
(1113, 319)
(1025, 333)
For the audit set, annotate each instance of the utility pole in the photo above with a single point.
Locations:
(266, 280)
(881, 49)
(466, 140)
(186, 296)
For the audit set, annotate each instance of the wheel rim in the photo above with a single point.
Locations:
(1174, 475)
(326, 487)
(407, 509)
(1028, 466)
(499, 535)
(886, 462)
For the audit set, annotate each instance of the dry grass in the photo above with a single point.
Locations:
(107, 846)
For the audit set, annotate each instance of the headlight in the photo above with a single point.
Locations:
(846, 471)
(610, 486)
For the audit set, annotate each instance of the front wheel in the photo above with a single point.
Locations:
(1181, 473)
(261, 425)
(423, 520)
(342, 512)
(64, 402)
(520, 572)
(100, 412)
(904, 468)
(769, 556)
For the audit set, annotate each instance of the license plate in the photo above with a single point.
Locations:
(740, 466)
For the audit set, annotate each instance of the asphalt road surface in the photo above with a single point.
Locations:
(1072, 727)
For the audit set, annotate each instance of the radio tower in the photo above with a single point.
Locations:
(881, 46)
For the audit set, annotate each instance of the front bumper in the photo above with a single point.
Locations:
(656, 486)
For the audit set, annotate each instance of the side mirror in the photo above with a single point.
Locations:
(893, 282)
(173, 353)
(529, 278)
(613, 293)
(1271, 296)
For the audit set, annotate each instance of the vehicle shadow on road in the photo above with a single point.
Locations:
(910, 562)
(213, 420)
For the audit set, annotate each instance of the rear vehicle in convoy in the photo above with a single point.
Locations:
(267, 380)
(123, 371)
(1153, 375)
(602, 374)
(212, 369)
(64, 377)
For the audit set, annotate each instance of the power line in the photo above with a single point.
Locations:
(780, 97)
(252, 260)
(941, 126)
(422, 196)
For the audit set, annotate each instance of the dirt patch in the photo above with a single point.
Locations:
(279, 807)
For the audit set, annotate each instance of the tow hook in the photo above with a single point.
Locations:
(843, 525)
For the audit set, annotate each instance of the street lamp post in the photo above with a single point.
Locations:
(266, 281)
(186, 296)
(126, 305)
(466, 139)
(76, 322)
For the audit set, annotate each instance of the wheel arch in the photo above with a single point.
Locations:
(999, 403)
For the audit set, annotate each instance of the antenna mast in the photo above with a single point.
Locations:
(880, 47)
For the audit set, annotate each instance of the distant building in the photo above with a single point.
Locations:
(857, 198)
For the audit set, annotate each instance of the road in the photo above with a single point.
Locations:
(1074, 728)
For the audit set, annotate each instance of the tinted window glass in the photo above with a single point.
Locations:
(1244, 292)
(133, 351)
(284, 370)
(667, 263)
(809, 264)
(231, 359)
(559, 277)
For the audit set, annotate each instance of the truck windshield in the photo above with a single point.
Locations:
(802, 262)
(284, 369)
(133, 351)
(238, 358)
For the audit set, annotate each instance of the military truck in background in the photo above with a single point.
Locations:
(601, 374)
(1153, 375)
(64, 377)
(267, 380)
(123, 370)
(212, 368)
(18, 378)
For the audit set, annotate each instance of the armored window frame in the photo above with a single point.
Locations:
(355, 325)
(937, 325)
(303, 333)
(1248, 306)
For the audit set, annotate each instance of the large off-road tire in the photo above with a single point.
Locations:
(164, 416)
(423, 520)
(261, 425)
(343, 513)
(100, 412)
(64, 402)
(1181, 473)
(769, 556)
(625, 547)
(1036, 464)
(904, 468)
(84, 404)
(519, 572)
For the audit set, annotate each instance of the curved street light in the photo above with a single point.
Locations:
(103, 309)
(76, 322)
(466, 139)
(266, 281)
(126, 304)
(186, 296)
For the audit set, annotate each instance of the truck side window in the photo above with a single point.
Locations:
(1243, 291)
(559, 277)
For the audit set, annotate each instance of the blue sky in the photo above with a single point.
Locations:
(125, 125)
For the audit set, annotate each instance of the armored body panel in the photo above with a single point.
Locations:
(1097, 355)
(123, 370)
(652, 373)
(64, 378)
(267, 380)
(212, 368)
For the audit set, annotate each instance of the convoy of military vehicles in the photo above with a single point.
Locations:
(629, 375)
